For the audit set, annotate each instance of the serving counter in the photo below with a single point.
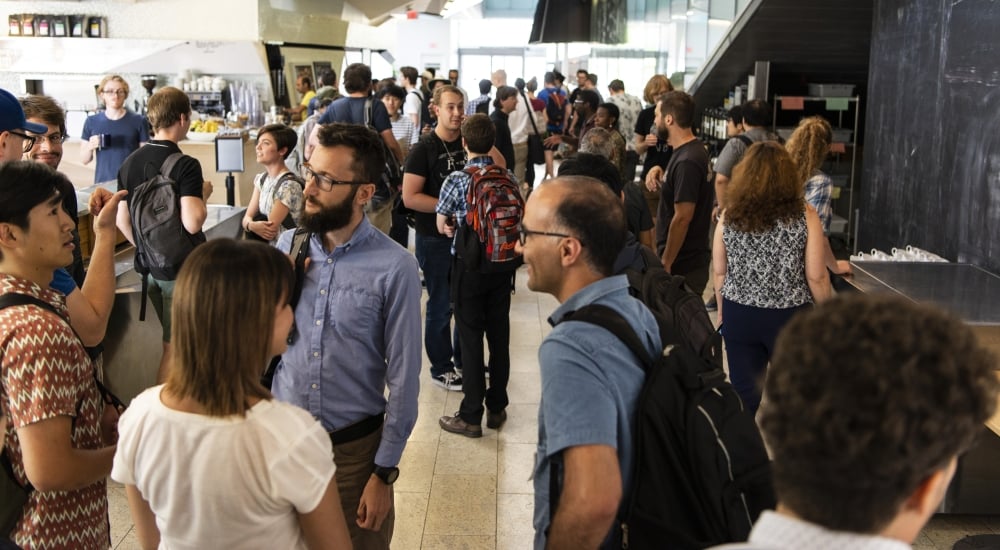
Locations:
(132, 347)
(973, 294)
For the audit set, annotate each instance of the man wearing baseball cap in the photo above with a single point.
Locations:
(14, 141)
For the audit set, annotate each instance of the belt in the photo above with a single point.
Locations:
(357, 430)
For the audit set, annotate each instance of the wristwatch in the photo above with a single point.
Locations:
(387, 475)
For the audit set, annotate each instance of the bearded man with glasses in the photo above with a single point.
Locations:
(114, 133)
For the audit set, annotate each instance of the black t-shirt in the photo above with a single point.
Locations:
(687, 181)
(434, 159)
(146, 161)
(658, 155)
(503, 141)
(637, 209)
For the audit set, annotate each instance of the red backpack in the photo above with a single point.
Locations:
(492, 221)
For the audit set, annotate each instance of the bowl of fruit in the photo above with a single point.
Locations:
(203, 130)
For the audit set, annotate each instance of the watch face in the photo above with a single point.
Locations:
(388, 475)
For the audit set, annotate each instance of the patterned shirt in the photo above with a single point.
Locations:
(289, 193)
(819, 189)
(767, 269)
(775, 531)
(46, 373)
(452, 200)
(628, 109)
(470, 108)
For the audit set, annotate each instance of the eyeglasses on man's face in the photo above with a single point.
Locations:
(323, 181)
(27, 142)
(119, 93)
(54, 138)
(525, 233)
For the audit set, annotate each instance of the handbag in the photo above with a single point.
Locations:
(536, 151)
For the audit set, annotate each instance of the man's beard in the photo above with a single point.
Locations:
(329, 218)
(662, 133)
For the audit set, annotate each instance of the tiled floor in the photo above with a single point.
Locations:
(459, 493)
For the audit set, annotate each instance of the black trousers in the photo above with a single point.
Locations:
(482, 307)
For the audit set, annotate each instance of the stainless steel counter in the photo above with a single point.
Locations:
(973, 294)
(133, 347)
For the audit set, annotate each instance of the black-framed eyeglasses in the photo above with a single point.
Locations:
(525, 233)
(53, 138)
(27, 144)
(325, 183)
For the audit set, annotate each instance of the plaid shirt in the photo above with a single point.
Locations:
(818, 192)
(470, 108)
(451, 200)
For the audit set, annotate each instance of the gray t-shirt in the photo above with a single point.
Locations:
(732, 153)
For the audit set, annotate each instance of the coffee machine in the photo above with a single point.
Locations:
(148, 82)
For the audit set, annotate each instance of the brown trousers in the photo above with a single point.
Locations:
(355, 462)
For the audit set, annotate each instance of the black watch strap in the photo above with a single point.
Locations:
(387, 475)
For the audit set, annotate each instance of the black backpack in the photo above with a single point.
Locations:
(392, 176)
(425, 112)
(701, 475)
(555, 107)
(161, 241)
(678, 311)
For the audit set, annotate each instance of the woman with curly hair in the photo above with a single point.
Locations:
(809, 146)
(768, 262)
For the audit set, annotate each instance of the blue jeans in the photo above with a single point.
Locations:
(434, 257)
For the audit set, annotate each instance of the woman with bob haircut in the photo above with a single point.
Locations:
(768, 262)
(276, 203)
(809, 147)
(209, 459)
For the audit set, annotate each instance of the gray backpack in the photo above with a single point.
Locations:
(161, 241)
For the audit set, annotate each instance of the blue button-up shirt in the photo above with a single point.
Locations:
(590, 385)
(358, 321)
(452, 200)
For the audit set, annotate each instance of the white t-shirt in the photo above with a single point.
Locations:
(411, 106)
(224, 482)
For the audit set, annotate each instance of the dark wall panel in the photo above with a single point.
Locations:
(932, 147)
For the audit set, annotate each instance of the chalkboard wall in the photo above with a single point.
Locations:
(932, 147)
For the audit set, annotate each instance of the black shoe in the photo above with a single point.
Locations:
(456, 425)
(495, 420)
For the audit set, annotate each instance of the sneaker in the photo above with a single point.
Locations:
(456, 425)
(710, 305)
(495, 420)
(449, 381)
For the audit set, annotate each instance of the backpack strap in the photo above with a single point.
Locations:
(612, 321)
(745, 139)
(531, 112)
(169, 163)
(369, 112)
(299, 251)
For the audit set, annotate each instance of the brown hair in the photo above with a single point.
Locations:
(223, 319)
(44, 108)
(764, 190)
(867, 396)
(679, 105)
(166, 106)
(655, 87)
(809, 145)
(284, 137)
(479, 133)
(445, 89)
(116, 78)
